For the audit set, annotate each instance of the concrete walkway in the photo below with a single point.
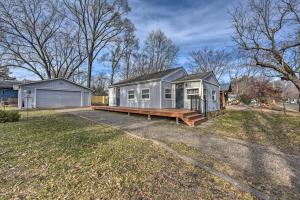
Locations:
(265, 168)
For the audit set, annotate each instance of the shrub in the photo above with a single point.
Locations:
(9, 116)
(245, 99)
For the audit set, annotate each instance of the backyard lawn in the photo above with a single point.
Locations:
(267, 128)
(57, 156)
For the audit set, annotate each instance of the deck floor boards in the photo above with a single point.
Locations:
(170, 112)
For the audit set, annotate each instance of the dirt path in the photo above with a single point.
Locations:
(266, 168)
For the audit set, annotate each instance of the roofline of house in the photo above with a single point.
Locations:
(195, 79)
(134, 83)
(42, 81)
(146, 81)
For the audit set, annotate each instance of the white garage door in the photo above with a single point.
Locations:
(57, 98)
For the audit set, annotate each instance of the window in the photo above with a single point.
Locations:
(145, 94)
(192, 92)
(168, 93)
(130, 94)
(214, 95)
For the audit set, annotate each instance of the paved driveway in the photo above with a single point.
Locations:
(266, 167)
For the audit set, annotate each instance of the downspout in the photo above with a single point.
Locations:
(160, 94)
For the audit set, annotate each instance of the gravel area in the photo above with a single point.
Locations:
(265, 165)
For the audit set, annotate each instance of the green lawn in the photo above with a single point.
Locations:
(53, 156)
(267, 128)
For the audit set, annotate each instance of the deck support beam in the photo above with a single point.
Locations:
(177, 120)
(128, 114)
(149, 117)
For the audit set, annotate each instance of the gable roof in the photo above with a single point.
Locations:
(225, 87)
(148, 77)
(55, 79)
(197, 76)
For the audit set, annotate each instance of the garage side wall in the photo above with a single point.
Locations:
(53, 94)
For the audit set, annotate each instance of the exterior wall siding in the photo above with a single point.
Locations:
(166, 103)
(191, 85)
(138, 102)
(212, 105)
(61, 86)
(111, 97)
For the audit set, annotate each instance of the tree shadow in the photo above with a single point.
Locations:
(264, 171)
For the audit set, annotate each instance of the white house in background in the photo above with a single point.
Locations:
(172, 88)
(53, 93)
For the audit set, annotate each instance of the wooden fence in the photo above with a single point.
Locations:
(99, 100)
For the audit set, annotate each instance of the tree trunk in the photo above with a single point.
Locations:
(299, 102)
(90, 64)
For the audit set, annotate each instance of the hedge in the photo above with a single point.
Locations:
(9, 116)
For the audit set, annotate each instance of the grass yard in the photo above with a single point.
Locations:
(265, 128)
(57, 156)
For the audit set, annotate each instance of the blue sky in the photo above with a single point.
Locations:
(191, 24)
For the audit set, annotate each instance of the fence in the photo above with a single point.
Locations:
(99, 100)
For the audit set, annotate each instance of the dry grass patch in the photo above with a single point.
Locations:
(53, 156)
(267, 128)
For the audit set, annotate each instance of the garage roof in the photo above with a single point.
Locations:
(42, 81)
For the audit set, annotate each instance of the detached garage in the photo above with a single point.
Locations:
(53, 93)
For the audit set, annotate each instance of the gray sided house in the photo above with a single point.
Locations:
(172, 88)
(53, 93)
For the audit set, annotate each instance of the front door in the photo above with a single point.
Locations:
(118, 96)
(179, 95)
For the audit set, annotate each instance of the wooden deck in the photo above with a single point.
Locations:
(191, 118)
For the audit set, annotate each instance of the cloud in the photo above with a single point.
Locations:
(190, 24)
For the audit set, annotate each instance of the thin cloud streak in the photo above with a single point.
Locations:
(190, 24)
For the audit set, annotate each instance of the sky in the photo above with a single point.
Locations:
(191, 24)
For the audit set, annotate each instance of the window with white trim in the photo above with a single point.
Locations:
(130, 94)
(214, 95)
(145, 93)
(168, 94)
(192, 92)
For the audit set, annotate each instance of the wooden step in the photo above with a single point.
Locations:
(199, 121)
(189, 113)
(194, 116)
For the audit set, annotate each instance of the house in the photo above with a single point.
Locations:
(53, 93)
(7, 92)
(225, 89)
(172, 88)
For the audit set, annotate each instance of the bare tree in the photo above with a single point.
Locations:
(206, 60)
(160, 51)
(35, 37)
(132, 44)
(100, 84)
(119, 50)
(268, 30)
(100, 21)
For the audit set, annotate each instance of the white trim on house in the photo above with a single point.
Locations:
(211, 83)
(214, 97)
(141, 93)
(160, 94)
(168, 99)
(131, 94)
(63, 79)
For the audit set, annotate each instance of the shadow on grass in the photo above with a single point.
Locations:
(260, 172)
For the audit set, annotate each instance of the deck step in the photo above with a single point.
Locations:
(199, 121)
(190, 113)
(194, 116)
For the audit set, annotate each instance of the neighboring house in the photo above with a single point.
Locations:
(53, 93)
(172, 88)
(7, 91)
(225, 89)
